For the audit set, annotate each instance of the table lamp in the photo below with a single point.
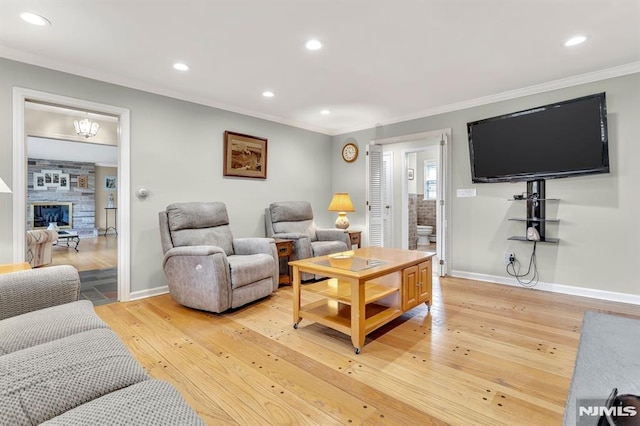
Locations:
(341, 203)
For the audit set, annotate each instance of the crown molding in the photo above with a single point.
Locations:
(577, 80)
(41, 61)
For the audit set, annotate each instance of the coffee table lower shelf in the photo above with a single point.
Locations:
(337, 315)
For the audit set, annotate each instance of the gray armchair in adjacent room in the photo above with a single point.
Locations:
(293, 220)
(206, 267)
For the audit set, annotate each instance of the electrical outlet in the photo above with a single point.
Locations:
(509, 257)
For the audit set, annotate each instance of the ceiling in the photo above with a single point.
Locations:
(383, 61)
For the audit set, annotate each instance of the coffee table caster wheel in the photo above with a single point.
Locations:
(356, 350)
(295, 326)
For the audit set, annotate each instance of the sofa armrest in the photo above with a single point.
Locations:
(334, 235)
(26, 291)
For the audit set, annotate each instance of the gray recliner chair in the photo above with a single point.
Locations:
(206, 267)
(293, 220)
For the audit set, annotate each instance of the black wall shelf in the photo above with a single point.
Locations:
(536, 212)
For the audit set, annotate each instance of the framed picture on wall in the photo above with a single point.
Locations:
(38, 182)
(52, 177)
(110, 183)
(83, 182)
(245, 156)
(64, 182)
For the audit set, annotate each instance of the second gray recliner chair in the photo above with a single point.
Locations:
(293, 220)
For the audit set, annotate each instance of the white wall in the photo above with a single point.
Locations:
(176, 152)
(598, 229)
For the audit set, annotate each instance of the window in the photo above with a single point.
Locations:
(430, 180)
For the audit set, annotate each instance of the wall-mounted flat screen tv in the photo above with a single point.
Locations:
(563, 139)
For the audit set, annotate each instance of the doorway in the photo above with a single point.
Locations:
(401, 148)
(21, 97)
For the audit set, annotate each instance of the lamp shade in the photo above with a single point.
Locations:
(341, 202)
(3, 187)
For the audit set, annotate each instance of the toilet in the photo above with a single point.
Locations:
(423, 234)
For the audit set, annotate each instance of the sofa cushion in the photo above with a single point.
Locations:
(200, 224)
(289, 217)
(290, 211)
(248, 269)
(220, 236)
(196, 215)
(306, 227)
(152, 402)
(47, 324)
(44, 381)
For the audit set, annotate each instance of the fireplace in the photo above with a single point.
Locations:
(44, 213)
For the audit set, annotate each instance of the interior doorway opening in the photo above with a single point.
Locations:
(403, 172)
(21, 177)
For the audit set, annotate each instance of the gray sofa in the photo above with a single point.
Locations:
(208, 269)
(293, 220)
(60, 364)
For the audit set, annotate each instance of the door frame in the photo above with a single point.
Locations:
(22, 95)
(444, 210)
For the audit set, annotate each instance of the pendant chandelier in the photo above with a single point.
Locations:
(86, 127)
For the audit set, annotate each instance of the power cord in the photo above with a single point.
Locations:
(517, 275)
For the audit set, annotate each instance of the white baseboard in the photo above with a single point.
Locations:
(143, 294)
(554, 288)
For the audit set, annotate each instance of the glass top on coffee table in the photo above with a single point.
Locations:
(349, 262)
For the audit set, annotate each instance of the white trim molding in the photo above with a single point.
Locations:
(143, 294)
(612, 296)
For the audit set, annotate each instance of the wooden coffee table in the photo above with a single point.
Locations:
(364, 290)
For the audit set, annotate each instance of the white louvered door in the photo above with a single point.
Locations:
(374, 196)
(386, 199)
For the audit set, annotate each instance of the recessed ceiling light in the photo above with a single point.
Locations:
(575, 40)
(180, 66)
(325, 112)
(313, 44)
(34, 19)
(268, 94)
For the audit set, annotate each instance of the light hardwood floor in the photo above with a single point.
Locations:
(486, 354)
(93, 253)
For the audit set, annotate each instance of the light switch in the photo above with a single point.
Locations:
(463, 193)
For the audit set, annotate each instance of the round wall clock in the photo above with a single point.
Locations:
(349, 152)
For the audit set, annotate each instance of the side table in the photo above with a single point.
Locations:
(356, 238)
(106, 220)
(285, 255)
(14, 267)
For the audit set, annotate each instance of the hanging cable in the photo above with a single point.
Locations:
(532, 269)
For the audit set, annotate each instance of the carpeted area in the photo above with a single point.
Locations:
(608, 357)
(100, 286)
